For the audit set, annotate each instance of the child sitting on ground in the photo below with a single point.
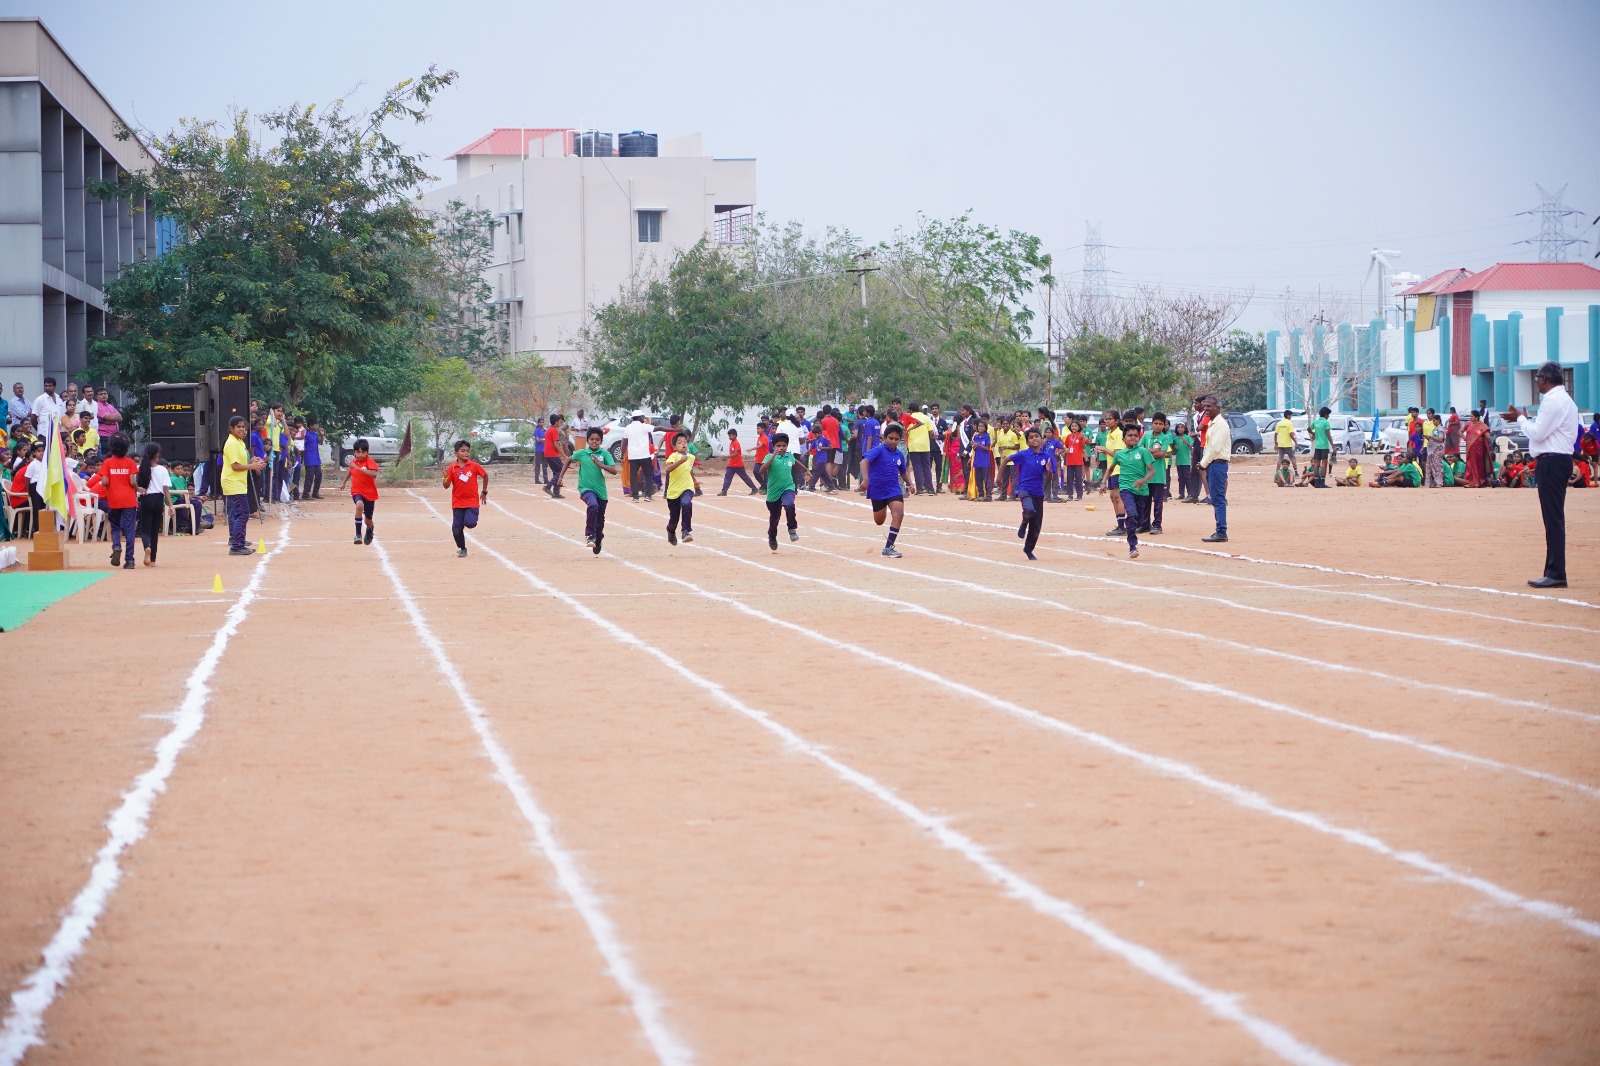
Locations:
(1284, 477)
(1352, 476)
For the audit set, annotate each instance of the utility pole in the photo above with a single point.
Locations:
(1094, 263)
(1553, 239)
(1049, 335)
(867, 266)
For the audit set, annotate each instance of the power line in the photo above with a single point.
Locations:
(1094, 262)
(1553, 239)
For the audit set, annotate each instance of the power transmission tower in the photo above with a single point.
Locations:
(1553, 239)
(1095, 285)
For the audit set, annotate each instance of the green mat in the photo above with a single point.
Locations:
(24, 595)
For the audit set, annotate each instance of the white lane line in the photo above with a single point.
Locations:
(1279, 614)
(1166, 630)
(1261, 562)
(1238, 794)
(1225, 1005)
(24, 1024)
(645, 1001)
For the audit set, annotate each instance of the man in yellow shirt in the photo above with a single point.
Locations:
(1283, 430)
(235, 481)
(920, 446)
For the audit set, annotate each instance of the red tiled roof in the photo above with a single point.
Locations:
(1529, 277)
(502, 141)
(1439, 282)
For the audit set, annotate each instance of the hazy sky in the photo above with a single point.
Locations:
(1218, 144)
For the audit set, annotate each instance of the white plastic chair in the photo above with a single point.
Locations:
(16, 511)
(91, 520)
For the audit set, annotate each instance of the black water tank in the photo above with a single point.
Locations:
(637, 144)
(590, 143)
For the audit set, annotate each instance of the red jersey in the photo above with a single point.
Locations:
(762, 447)
(830, 432)
(1072, 449)
(363, 478)
(552, 442)
(19, 487)
(907, 419)
(736, 455)
(464, 483)
(117, 475)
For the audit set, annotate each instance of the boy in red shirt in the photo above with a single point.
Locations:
(736, 464)
(763, 449)
(461, 478)
(122, 498)
(362, 476)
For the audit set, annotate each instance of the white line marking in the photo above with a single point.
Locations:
(1224, 1005)
(1238, 794)
(24, 1025)
(1264, 562)
(1310, 619)
(1165, 630)
(645, 1001)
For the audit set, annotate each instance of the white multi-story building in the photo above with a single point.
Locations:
(579, 217)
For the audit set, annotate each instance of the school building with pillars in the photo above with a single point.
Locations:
(1466, 337)
(60, 245)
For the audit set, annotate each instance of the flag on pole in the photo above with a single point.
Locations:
(54, 491)
(405, 445)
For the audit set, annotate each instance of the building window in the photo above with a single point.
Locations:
(1533, 383)
(1394, 393)
(649, 227)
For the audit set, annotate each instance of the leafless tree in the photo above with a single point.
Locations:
(1331, 375)
(1188, 323)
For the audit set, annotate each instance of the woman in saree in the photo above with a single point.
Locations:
(1477, 438)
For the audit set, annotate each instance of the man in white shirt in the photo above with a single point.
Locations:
(1214, 461)
(1551, 438)
(641, 482)
(47, 404)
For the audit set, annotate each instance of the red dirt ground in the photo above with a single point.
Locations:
(336, 873)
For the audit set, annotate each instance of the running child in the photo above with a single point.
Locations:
(461, 478)
(1032, 468)
(778, 471)
(1135, 469)
(735, 465)
(593, 463)
(682, 487)
(883, 469)
(361, 475)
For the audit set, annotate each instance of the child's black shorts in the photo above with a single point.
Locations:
(878, 505)
(364, 503)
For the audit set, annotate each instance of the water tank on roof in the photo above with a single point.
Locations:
(592, 143)
(637, 144)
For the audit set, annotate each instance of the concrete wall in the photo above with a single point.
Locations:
(579, 219)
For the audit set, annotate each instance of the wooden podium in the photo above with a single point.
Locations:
(47, 553)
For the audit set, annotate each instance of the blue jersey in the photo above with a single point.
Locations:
(1031, 467)
(313, 448)
(981, 459)
(883, 472)
(1052, 448)
(867, 429)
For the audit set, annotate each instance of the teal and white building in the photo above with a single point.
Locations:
(1467, 337)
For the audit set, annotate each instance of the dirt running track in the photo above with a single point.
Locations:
(715, 804)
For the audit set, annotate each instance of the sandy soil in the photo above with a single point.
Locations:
(1361, 799)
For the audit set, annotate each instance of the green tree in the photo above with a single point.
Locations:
(1238, 371)
(1100, 371)
(462, 323)
(691, 342)
(965, 286)
(447, 399)
(302, 257)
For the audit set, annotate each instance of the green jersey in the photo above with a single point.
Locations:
(1412, 473)
(1319, 434)
(1181, 447)
(1134, 463)
(1164, 439)
(780, 475)
(590, 477)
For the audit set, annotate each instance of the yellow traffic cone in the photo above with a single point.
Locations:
(261, 545)
(216, 583)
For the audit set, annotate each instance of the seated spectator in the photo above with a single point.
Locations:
(1455, 471)
(1511, 473)
(1284, 477)
(1405, 475)
(187, 505)
(1583, 475)
(1352, 476)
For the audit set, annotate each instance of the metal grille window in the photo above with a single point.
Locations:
(649, 227)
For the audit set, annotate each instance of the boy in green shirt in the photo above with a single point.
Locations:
(1183, 457)
(1161, 444)
(1135, 467)
(593, 464)
(778, 469)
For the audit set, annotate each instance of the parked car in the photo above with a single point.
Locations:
(383, 444)
(616, 442)
(1345, 432)
(1246, 437)
(501, 438)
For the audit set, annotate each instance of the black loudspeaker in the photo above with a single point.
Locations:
(179, 421)
(227, 394)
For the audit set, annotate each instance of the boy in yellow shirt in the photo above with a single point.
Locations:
(1007, 441)
(1352, 476)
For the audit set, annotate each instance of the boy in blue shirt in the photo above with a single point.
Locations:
(313, 461)
(1032, 467)
(538, 451)
(883, 469)
(1052, 448)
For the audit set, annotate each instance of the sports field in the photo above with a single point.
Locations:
(1331, 797)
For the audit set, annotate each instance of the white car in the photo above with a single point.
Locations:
(615, 441)
(383, 444)
(501, 438)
